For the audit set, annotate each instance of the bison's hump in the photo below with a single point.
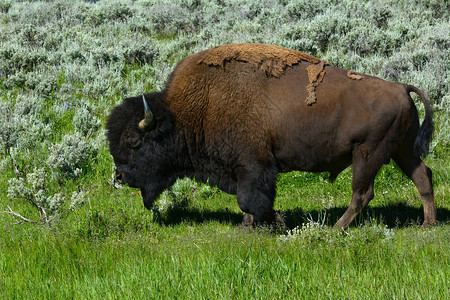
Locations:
(270, 59)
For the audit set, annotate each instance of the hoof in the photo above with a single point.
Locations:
(428, 224)
(248, 221)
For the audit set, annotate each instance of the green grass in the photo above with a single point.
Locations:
(113, 248)
(66, 54)
(217, 260)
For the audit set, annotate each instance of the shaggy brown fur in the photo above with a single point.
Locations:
(272, 60)
(354, 76)
(315, 75)
(235, 117)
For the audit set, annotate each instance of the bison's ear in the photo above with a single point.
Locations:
(148, 123)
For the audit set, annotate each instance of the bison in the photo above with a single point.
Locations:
(238, 115)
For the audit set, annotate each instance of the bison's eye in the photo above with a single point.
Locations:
(133, 140)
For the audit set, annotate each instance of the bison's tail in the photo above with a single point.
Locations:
(422, 143)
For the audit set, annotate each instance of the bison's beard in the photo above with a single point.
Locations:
(148, 196)
(151, 191)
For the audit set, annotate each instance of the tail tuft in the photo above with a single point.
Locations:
(422, 142)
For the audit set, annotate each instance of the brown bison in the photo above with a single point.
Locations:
(237, 115)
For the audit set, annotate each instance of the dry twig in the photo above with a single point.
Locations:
(19, 217)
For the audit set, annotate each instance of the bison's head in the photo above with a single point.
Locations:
(141, 141)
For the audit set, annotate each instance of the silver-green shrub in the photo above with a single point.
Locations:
(33, 189)
(85, 121)
(69, 157)
(180, 195)
(24, 130)
(317, 231)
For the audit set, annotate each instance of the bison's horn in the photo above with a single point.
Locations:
(148, 123)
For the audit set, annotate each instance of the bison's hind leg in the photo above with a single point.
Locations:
(421, 175)
(256, 194)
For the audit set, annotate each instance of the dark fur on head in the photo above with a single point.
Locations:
(144, 159)
(127, 116)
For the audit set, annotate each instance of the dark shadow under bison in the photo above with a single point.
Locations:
(237, 115)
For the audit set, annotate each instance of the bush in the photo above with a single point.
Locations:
(85, 121)
(33, 189)
(23, 131)
(69, 157)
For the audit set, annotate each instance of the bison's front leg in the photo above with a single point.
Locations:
(247, 220)
(255, 195)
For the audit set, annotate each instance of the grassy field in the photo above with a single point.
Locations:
(65, 64)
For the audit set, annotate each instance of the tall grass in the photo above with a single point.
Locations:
(65, 64)
(217, 261)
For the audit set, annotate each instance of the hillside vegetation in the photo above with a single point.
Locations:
(65, 64)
